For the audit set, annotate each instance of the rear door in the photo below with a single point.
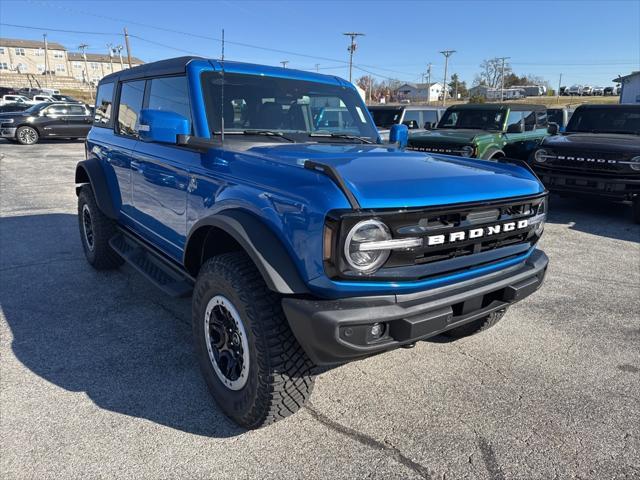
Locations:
(78, 120)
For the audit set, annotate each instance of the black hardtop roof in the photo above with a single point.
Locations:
(406, 107)
(498, 106)
(616, 106)
(171, 66)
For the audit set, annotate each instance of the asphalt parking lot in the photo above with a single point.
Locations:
(98, 378)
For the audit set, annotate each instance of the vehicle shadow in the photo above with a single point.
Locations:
(110, 335)
(595, 216)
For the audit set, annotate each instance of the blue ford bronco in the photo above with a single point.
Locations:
(303, 242)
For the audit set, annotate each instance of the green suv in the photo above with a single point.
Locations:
(487, 131)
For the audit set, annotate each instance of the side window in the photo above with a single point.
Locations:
(542, 119)
(412, 119)
(170, 94)
(529, 121)
(104, 104)
(514, 119)
(131, 96)
(77, 110)
(56, 110)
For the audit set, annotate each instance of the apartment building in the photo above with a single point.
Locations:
(28, 57)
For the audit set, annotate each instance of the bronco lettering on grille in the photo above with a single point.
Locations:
(476, 232)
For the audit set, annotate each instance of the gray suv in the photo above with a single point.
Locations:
(415, 117)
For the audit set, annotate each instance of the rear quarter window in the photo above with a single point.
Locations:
(104, 106)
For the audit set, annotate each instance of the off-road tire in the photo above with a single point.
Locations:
(280, 375)
(635, 209)
(22, 133)
(477, 326)
(101, 256)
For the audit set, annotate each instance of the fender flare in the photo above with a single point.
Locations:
(492, 151)
(262, 245)
(90, 172)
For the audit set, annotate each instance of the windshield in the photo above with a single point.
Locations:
(480, 119)
(262, 103)
(606, 120)
(555, 115)
(386, 117)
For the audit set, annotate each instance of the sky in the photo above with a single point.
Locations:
(588, 42)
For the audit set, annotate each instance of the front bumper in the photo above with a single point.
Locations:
(604, 186)
(7, 132)
(338, 331)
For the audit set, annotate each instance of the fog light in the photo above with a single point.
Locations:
(377, 329)
(635, 163)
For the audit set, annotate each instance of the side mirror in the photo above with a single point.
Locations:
(162, 126)
(399, 134)
(515, 128)
(553, 129)
(429, 125)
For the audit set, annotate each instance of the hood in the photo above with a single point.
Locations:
(384, 177)
(593, 142)
(446, 135)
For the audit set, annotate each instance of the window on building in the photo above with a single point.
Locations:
(104, 102)
(21, 67)
(2, 51)
(41, 67)
(131, 97)
(19, 52)
(58, 54)
(94, 66)
(4, 66)
(60, 67)
(77, 65)
(39, 52)
(170, 94)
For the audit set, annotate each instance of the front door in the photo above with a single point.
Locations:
(515, 136)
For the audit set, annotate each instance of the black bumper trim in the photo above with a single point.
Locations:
(337, 331)
(607, 186)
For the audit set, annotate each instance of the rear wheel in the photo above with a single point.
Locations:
(477, 326)
(252, 363)
(96, 229)
(27, 135)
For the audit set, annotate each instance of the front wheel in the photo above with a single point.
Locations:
(252, 363)
(27, 135)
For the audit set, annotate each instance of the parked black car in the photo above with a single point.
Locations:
(599, 154)
(14, 107)
(63, 120)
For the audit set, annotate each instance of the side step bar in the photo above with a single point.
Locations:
(153, 266)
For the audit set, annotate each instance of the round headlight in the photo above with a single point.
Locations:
(541, 155)
(635, 163)
(363, 232)
(466, 151)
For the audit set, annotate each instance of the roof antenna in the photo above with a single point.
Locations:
(222, 93)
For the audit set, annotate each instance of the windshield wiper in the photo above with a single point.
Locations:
(267, 133)
(342, 135)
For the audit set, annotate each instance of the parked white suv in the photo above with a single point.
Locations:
(15, 99)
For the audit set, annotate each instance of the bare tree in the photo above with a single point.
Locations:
(491, 73)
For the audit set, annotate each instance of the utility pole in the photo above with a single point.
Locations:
(447, 54)
(118, 48)
(317, 68)
(110, 47)
(558, 92)
(126, 42)
(352, 48)
(83, 47)
(46, 59)
(284, 63)
(502, 77)
(429, 82)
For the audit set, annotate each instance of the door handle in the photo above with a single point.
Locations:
(135, 165)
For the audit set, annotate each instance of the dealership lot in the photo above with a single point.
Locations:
(98, 378)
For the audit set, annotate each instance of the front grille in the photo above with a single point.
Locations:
(445, 149)
(572, 160)
(438, 226)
